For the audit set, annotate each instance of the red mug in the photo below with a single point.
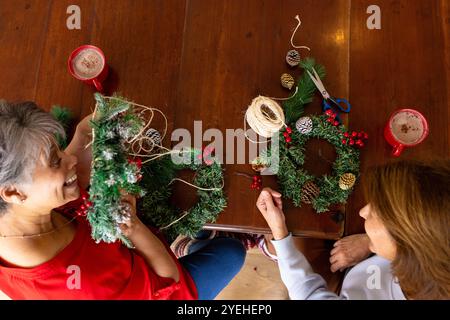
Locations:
(86, 68)
(405, 128)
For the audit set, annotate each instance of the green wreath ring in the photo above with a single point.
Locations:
(301, 186)
(157, 179)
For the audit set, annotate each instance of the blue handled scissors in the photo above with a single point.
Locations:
(329, 102)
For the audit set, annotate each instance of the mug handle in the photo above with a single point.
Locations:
(397, 150)
(98, 85)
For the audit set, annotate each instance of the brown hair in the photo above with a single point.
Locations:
(412, 199)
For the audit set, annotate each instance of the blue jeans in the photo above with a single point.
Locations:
(213, 263)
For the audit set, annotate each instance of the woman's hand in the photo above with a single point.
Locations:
(83, 127)
(270, 205)
(349, 251)
(146, 244)
(132, 224)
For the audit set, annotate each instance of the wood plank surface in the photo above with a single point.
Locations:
(206, 60)
(405, 64)
(23, 28)
(237, 52)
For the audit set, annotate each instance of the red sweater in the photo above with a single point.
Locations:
(86, 270)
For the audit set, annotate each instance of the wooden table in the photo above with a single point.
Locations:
(206, 60)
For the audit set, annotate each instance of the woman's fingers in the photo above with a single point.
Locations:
(274, 193)
(334, 251)
(338, 265)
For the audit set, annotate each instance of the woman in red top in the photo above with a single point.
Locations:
(48, 254)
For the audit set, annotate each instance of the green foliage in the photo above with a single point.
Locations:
(64, 116)
(111, 170)
(155, 206)
(293, 108)
(292, 177)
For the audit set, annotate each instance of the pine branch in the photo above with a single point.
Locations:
(64, 116)
(293, 107)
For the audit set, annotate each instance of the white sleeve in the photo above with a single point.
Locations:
(297, 275)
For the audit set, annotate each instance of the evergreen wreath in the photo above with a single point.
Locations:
(157, 179)
(301, 186)
(295, 182)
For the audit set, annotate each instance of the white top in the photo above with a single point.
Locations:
(371, 279)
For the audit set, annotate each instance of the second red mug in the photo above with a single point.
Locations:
(405, 128)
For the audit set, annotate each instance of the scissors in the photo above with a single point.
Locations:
(329, 103)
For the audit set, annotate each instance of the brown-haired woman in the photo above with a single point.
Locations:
(407, 227)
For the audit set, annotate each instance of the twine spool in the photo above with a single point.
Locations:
(265, 116)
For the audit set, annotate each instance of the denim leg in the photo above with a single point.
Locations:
(213, 266)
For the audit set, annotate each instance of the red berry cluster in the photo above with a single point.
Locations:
(355, 138)
(332, 117)
(205, 155)
(138, 163)
(82, 211)
(257, 182)
(287, 135)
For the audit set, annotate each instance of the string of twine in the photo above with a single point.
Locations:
(258, 119)
(293, 34)
(263, 123)
(199, 188)
(187, 212)
(175, 221)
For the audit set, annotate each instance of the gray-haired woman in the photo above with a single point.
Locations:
(46, 254)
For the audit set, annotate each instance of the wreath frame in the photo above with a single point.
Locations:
(292, 177)
(156, 208)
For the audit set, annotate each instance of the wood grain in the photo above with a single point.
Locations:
(206, 60)
(241, 56)
(405, 64)
(23, 28)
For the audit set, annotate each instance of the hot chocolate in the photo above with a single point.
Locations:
(88, 64)
(407, 127)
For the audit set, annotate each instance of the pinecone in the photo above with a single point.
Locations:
(287, 81)
(154, 135)
(310, 191)
(258, 164)
(304, 125)
(293, 58)
(347, 181)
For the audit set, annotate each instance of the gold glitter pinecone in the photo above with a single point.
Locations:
(347, 181)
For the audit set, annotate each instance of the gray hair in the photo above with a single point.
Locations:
(26, 132)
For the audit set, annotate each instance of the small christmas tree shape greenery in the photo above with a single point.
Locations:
(64, 116)
(112, 172)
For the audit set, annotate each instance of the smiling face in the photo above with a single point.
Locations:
(54, 182)
(381, 242)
